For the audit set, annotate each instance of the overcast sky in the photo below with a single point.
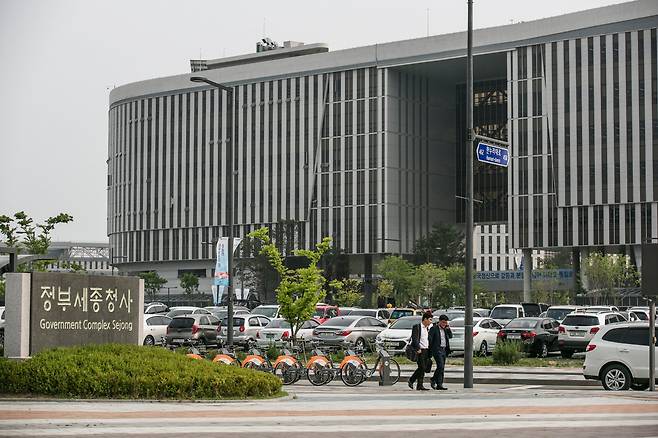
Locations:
(59, 60)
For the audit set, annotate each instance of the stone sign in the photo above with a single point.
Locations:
(73, 309)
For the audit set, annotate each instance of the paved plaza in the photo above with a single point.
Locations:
(338, 411)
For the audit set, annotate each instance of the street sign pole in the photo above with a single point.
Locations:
(468, 314)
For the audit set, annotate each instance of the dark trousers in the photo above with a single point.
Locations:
(440, 359)
(419, 374)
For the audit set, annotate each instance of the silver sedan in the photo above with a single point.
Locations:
(347, 331)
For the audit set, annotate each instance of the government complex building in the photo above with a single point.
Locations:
(367, 145)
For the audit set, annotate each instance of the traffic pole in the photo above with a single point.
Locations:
(468, 314)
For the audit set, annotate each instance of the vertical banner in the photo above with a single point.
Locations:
(221, 266)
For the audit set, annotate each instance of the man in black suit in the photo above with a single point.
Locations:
(420, 343)
(440, 335)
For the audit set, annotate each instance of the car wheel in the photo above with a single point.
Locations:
(149, 340)
(483, 349)
(616, 377)
(542, 350)
(360, 344)
(639, 386)
(567, 354)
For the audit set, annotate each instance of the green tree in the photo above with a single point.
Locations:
(300, 288)
(606, 272)
(443, 246)
(189, 283)
(560, 259)
(152, 283)
(401, 274)
(452, 291)
(429, 278)
(385, 289)
(348, 292)
(22, 232)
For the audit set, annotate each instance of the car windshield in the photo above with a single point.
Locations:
(503, 313)
(270, 312)
(399, 313)
(640, 315)
(585, 320)
(181, 322)
(278, 323)
(459, 322)
(338, 322)
(363, 312)
(405, 323)
(319, 313)
(453, 315)
(558, 314)
(521, 323)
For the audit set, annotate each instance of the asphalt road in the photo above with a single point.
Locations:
(338, 411)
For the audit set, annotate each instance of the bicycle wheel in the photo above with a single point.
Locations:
(319, 374)
(286, 372)
(395, 371)
(353, 374)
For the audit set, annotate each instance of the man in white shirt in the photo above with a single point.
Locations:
(421, 343)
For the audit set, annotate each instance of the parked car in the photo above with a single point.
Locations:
(152, 308)
(558, 313)
(618, 356)
(504, 313)
(245, 328)
(380, 314)
(323, 312)
(222, 312)
(343, 331)
(631, 316)
(278, 331)
(597, 309)
(485, 334)
(537, 335)
(2, 325)
(201, 328)
(399, 312)
(533, 309)
(155, 328)
(578, 329)
(268, 310)
(186, 310)
(395, 338)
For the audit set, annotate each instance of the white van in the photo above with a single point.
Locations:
(504, 313)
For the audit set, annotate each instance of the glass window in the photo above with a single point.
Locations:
(254, 322)
(580, 320)
(522, 323)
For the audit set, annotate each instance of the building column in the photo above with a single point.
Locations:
(527, 275)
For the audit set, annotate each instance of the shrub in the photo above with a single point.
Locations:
(272, 352)
(507, 353)
(130, 371)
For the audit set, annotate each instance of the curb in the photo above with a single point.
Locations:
(508, 381)
(288, 396)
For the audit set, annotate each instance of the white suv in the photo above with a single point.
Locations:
(577, 329)
(618, 356)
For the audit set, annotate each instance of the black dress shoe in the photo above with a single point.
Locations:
(422, 388)
(442, 388)
(411, 384)
(433, 384)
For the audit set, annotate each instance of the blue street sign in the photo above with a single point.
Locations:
(496, 155)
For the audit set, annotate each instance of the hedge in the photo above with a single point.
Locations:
(130, 372)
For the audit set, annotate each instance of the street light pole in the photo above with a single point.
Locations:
(468, 313)
(229, 192)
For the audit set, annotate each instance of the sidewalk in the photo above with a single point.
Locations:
(510, 375)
